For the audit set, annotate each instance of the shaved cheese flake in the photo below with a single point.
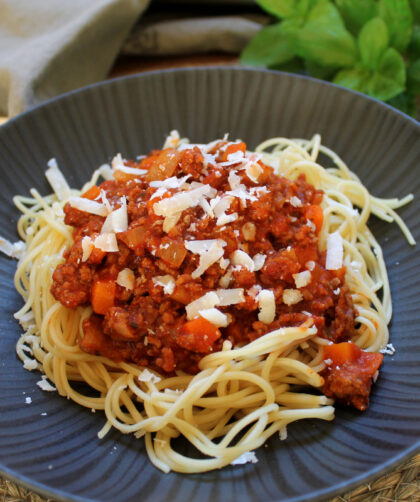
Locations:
(57, 180)
(295, 201)
(45, 385)
(302, 279)
(170, 221)
(87, 247)
(88, 206)
(224, 219)
(117, 161)
(203, 246)
(245, 458)
(310, 265)
(259, 260)
(213, 315)
(267, 306)
(106, 242)
(117, 220)
(167, 282)
(214, 253)
(181, 201)
(148, 376)
(172, 140)
(234, 180)
(173, 182)
(14, 250)
(224, 263)
(334, 259)
(207, 301)
(292, 296)
(126, 279)
(239, 257)
(253, 171)
(105, 171)
(131, 170)
(225, 280)
(206, 207)
(30, 364)
(230, 296)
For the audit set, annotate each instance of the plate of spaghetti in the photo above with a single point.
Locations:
(229, 307)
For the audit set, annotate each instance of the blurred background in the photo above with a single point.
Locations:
(48, 47)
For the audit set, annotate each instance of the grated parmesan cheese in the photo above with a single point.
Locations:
(30, 364)
(259, 260)
(88, 206)
(241, 258)
(148, 376)
(334, 259)
(117, 220)
(87, 247)
(14, 250)
(213, 315)
(172, 140)
(207, 301)
(245, 458)
(295, 201)
(45, 385)
(126, 279)
(267, 306)
(292, 296)
(106, 242)
(167, 282)
(230, 296)
(57, 180)
(302, 279)
(173, 182)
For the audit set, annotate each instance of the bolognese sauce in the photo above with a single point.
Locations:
(193, 246)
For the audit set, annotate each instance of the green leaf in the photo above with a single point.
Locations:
(389, 79)
(413, 77)
(324, 39)
(278, 8)
(268, 48)
(415, 8)
(295, 65)
(404, 102)
(372, 41)
(414, 47)
(399, 19)
(318, 71)
(353, 78)
(357, 12)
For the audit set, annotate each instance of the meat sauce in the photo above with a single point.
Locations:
(147, 324)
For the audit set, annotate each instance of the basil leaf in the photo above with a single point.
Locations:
(414, 47)
(404, 102)
(278, 8)
(413, 77)
(415, 8)
(372, 42)
(318, 71)
(295, 65)
(324, 39)
(357, 12)
(389, 79)
(399, 19)
(353, 78)
(269, 47)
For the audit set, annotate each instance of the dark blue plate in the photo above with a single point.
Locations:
(59, 454)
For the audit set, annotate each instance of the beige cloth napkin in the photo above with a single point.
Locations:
(48, 47)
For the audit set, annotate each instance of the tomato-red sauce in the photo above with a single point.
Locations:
(149, 327)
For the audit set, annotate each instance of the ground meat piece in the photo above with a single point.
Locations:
(71, 284)
(342, 326)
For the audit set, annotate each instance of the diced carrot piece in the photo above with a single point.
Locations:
(93, 193)
(172, 252)
(198, 335)
(135, 237)
(315, 214)
(340, 353)
(103, 295)
(232, 148)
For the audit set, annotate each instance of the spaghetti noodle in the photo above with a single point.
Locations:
(234, 396)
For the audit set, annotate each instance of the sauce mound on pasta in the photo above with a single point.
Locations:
(196, 245)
